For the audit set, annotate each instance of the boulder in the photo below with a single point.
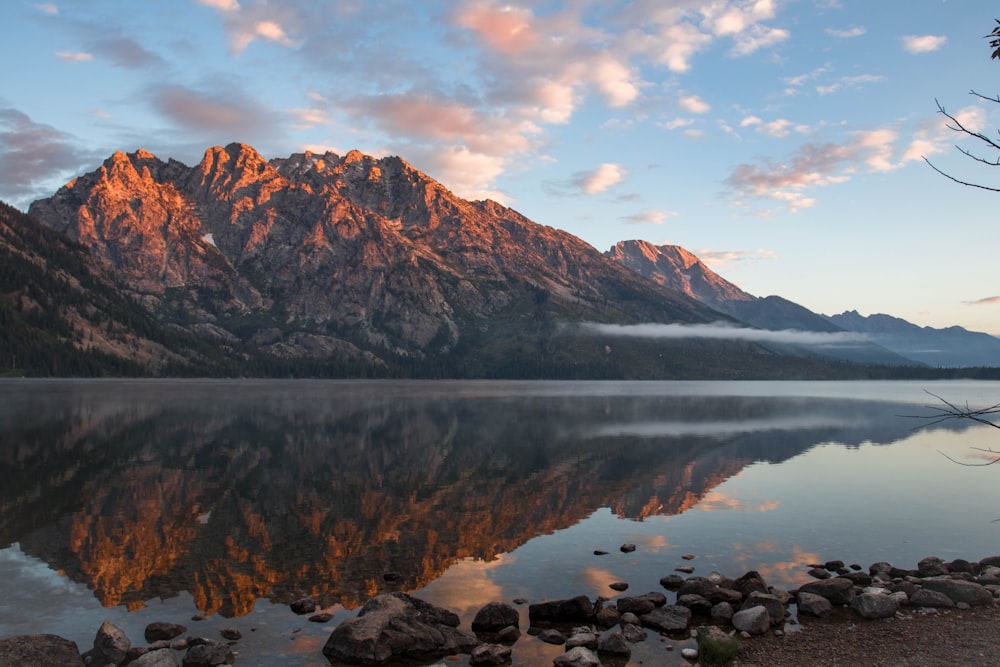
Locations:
(819, 573)
(304, 606)
(111, 642)
(633, 633)
(159, 658)
(875, 605)
(607, 617)
(750, 582)
(858, 578)
(394, 626)
(932, 566)
(959, 591)
(774, 606)
(813, 605)
(208, 654)
(928, 598)
(582, 637)
(577, 657)
(754, 621)
(627, 548)
(709, 590)
(671, 618)
(490, 654)
(614, 643)
(672, 581)
(39, 650)
(575, 609)
(552, 636)
(160, 631)
(618, 586)
(837, 590)
(723, 611)
(641, 604)
(696, 603)
(494, 617)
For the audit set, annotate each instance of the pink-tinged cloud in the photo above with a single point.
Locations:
(48, 8)
(923, 43)
(615, 81)
(694, 104)
(988, 301)
(720, 258)
(74, 57)
(504, 28)
(269, 31)
(221, 5)
(855, 31)
(650, 217)
(127, 52)
(224, 114)
(599, 180)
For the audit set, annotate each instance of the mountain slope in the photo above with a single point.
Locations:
(951, 347)
(676, 268)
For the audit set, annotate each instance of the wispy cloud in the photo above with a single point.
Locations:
(599, 180)
(694, 104)
(720, 331)
(650, 217)
(127, 52)
(988, 301)
(720, 258)
(855, 31)
(48, 8)
(74, 56)
(223, 115)
(923, 43)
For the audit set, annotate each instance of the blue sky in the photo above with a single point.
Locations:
(779, 140)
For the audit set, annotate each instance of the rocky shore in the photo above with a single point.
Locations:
(717, 610)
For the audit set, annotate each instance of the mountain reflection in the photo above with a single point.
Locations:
(236, 491)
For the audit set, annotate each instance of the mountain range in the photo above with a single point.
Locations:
(328, 265)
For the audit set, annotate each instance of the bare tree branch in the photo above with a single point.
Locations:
(956, 125)
(951, 411)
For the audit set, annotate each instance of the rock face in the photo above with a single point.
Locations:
(39, 650)
(349, 256)
(397, 626)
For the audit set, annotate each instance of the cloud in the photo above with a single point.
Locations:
(306, 119)
(850, 82)
(74, 57)
(923, 43)
(721, 331)
(988, 301)
(759, 37)
(650, 217)
(719, 258)
(33, 156)
(601, 179)
(127, 53)
(47, 7)
(221, 5)
(224, 115)
(676, 123)
(855, 31)
(694, 104)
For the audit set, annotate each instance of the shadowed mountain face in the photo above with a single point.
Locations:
(240, 491)
(348, 257)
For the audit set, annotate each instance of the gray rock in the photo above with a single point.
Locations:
(813, 605)
(932, 566)
(633, 633)
(641, 604)
(577, 657)
(582, 637)
(618, 586)
(490, 654)
(322, 617)
(494, 617)
(395, 625)
(39, 651)
(552, 636)
(819, 573)
(672, 581)
(723, 611)
(671, 618)
(959, 565)
(209, 654)
(304, 606)
(232, 634)
(111, 642)
(689, 654)
(159, 658)
(709, 590)
(834, 565)
(607, 617)
(509, 635)
(837, 590)
(579, 608)
(750, 582)
(880, 567)
(627, 548)
(859, 578)
(614, 643)
(775, 608)
(928, 598)
(161, 630)
(960, 591)
(696, 603)
(754, 620)
(874, 605)
(629, 617)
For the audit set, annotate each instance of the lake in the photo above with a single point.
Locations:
(147, 500)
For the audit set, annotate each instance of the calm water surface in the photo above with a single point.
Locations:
(138, 501)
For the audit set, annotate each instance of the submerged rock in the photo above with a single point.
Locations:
(575, 609)
(160, 631)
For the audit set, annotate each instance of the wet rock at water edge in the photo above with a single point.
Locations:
(750, 582)
(582, 637)
(598, 552)
(232, 634)
(754, 621)
(577, 657)
(671, 618)
(607, 616)
(618, 586)
(490, 654)
(875, 605)
(209, 654)
(837, 590)
(575, 609)
(686, 569)
(304, 606)
(509, 635)
(158, 658)
(928, 598)
(633, 633)
(160, 631)
(552, 636)
(614, 643)
(819, 573)
(322, 617)
(932, 566)
(627, 548)
(641, 604)
(391, 577)
(813, 605)
(397, 626)
(959, 591)
(696, 603)
(40, 649)
(722, 612)
(774, 606)
(111, 642)
(495, 616)
(672, 581)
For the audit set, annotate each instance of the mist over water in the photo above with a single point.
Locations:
(156, 500)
